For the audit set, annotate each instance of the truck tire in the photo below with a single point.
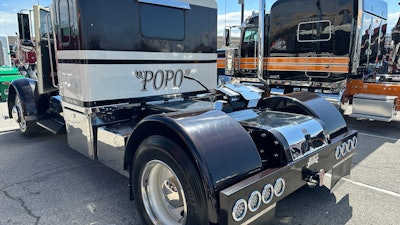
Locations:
(28, 128)
(166, 186)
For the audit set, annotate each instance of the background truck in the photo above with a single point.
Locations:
(394, 52)
(134, 85)
(8, 72)
(333, 48)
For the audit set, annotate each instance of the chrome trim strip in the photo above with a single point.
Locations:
(134, 55)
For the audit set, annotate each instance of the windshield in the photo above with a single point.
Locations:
(250, 35)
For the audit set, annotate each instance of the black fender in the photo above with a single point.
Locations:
(219, 147)
(308, 103)
(26, 88)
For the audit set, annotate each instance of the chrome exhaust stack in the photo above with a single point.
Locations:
(260, 46)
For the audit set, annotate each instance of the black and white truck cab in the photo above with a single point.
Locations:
(134, 85)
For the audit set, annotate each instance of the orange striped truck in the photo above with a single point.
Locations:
(330, 47)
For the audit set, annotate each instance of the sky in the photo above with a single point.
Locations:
(229, 12)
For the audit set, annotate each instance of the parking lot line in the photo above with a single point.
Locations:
(378, 136)
(394, 194)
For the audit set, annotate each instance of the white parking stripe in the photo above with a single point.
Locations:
(372, 187)
(378, 136)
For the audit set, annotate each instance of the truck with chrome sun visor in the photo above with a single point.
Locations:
(142, 98)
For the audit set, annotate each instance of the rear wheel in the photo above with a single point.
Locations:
(28, 128)
(167, 187)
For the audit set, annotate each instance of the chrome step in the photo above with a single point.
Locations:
(52, 125)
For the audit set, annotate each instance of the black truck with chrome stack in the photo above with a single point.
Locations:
(134, 85)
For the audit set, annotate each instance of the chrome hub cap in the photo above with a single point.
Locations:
(162, 193)
(17, 110)
(15, 114)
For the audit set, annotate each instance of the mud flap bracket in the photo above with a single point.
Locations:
(339, 170)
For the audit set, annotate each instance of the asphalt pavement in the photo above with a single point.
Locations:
(44, 182)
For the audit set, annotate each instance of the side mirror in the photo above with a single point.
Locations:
(23, 26)
(227, 37)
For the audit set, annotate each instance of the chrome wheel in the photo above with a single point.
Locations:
(162, 193)
(18, 114)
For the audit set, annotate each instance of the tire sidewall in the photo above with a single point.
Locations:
(28, 128)
(165, 150)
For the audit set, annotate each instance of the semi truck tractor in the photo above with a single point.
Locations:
(333, 48)
(134, 85)
(394, 52)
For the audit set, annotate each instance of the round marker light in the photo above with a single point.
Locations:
(239, 210)
(344, 148)
(267, 193)
(354, 144)
(349, 144)
(254, 201)
(279, 187)
(338, 152)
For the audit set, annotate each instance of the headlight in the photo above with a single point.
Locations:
(279, 187)
(267, 193)
(239, 210)
(254, 201)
